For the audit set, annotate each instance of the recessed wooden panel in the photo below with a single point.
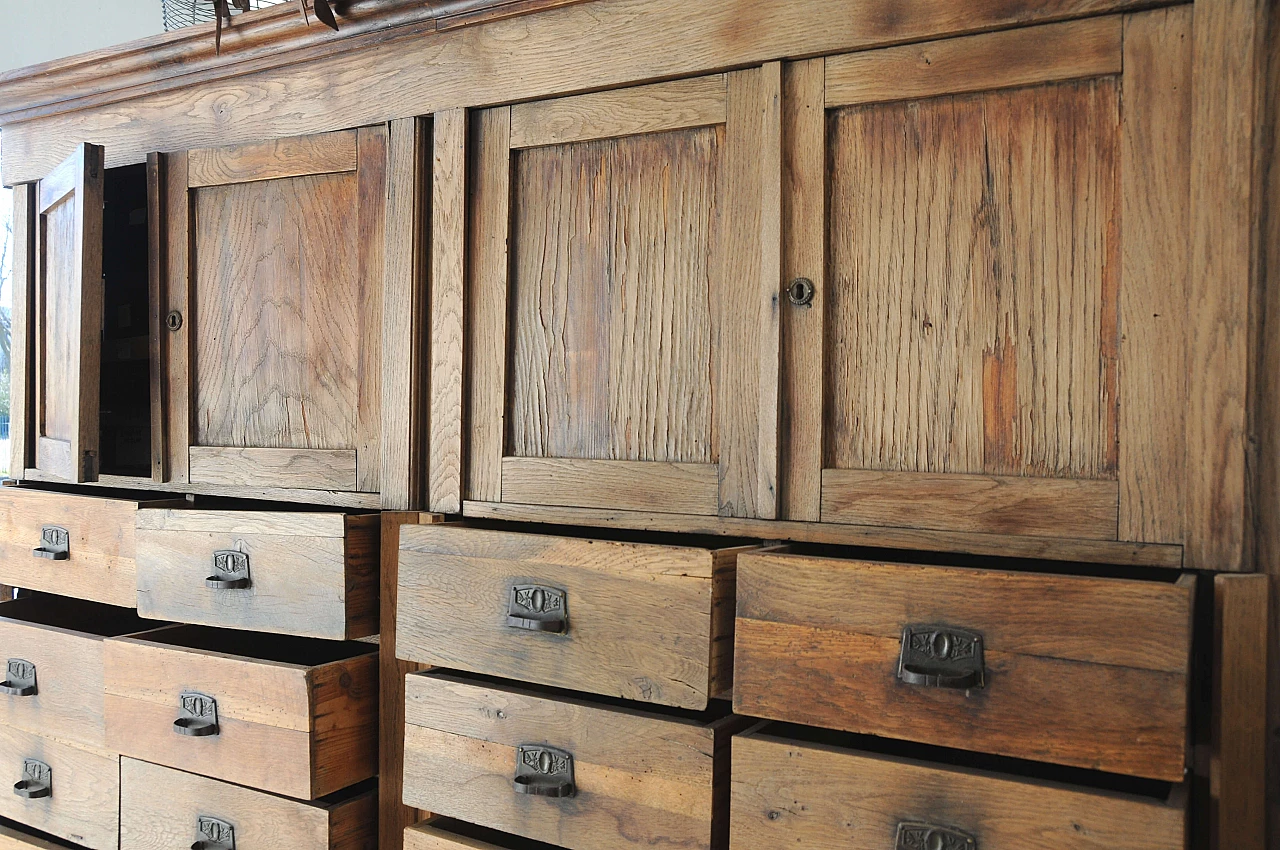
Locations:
(971, 298)
(277, 313)
(611, 297)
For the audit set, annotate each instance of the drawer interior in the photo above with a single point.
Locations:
(76, 615)
(282, 649)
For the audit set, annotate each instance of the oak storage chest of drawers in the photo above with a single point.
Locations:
(934, 343)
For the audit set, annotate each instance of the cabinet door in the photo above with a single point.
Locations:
(274, 312)
(68, 317)
(622, 298)
(998, 227)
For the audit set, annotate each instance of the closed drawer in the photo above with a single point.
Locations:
(307, 574)
(52, 649)
(789, 793)
(283, 714)
(14, 836)
(165, 809)
(82, 803)
(81, 546)
(633, 620)
(1080, 671)
(437, 833)
(571, 773)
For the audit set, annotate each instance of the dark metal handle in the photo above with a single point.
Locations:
(544, 772)
(36, 781)
(230, 570)
(538, 608)
(913, 835)
(214, 834)
(197, 715)
(55, 543)
(20, 678)
(935, 656)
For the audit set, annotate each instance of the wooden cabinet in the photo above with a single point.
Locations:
(622, 322)
(162, 808)
(639, 621)
(287, 572)
(789, 793)
(286, 715)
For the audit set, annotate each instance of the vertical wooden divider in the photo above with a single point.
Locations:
(22, 267)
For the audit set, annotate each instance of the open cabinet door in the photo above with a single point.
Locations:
(68, 317)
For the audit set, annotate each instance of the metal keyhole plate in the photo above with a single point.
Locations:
(800, 292)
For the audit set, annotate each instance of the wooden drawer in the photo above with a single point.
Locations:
(161, 809)
(640, 779)
(437, 833)
(308, 574)
(1087, 672)
(788, 793)
(53, 674)
(638, 621)
(95, 562)
(84, 789)
(293, 716)
(15, 836)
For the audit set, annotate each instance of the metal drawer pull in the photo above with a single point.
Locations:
(941, 657)
(538, 608)
(926, 836)
(214, 834)
(36, 782)
(55, 543)
(20, 679)
(544, 772)
(230, 570)
(197, 715)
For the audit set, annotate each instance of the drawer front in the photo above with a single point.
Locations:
(299, 729)
(308, 574)
(12, 838)
(1077, 671)
(52, 681)
(86, 544)
(82, 803)
(163, 809)
(638, 780)
(789, 794)
(637, 621)
(437, 833)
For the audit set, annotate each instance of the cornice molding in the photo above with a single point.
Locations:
(255, 41)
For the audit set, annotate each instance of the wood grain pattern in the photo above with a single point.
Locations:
(313, 575)
(611, 292)
(977, 63)
(769, 298)
(302, 469)
(688, 488)
(488, 234)
(961, 341)
(157, 296)
(448, 299)
(804, 140)
(69, 317)
(1085, 672)
(176, 346)
(22, 271)
(1051, 507)
(657, 108)
(302, 730)
(100, 566)
(84, 805)
(387, 74)
(1238, 766)
(643, 780)
(63, 639)
(1227, 89)
(403, 300)
(1155, 197)
(998, 545)
(276, 314)
(793, 794)
(328, 153)
(19, 839)
(152, 821)
(640, 616)
(371, 222)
